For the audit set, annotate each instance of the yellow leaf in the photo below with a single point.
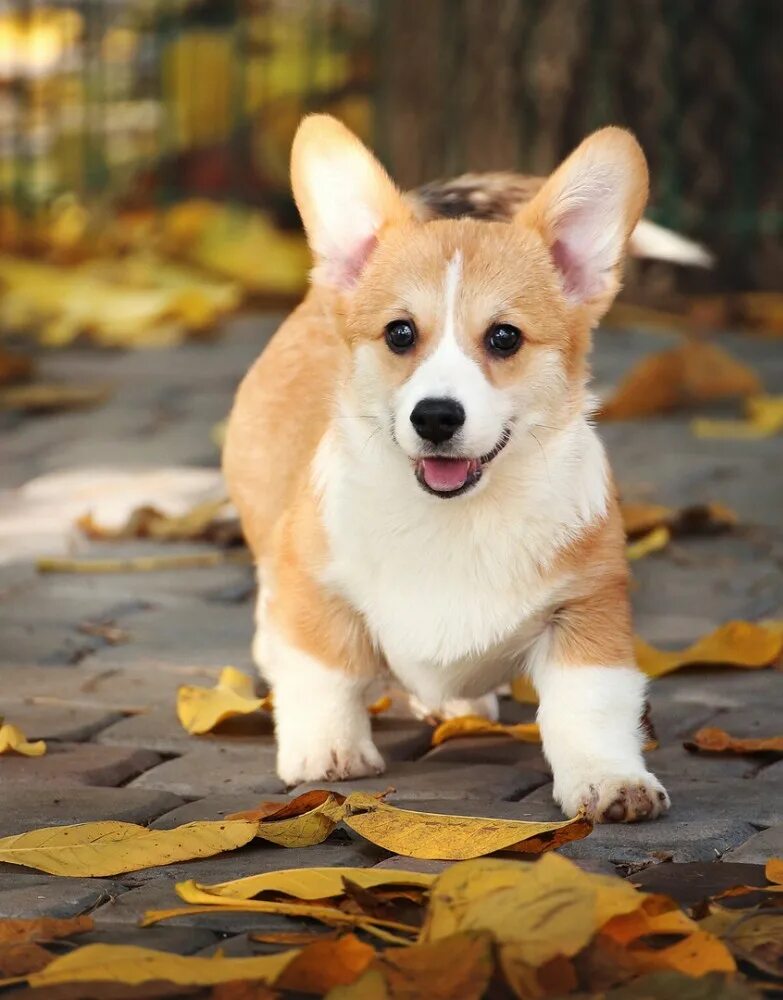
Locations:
(759, 940)
(522, 689)
(641, 518)
(714, 740)
(201, 709)
(303, 883)
(205, 521)
(453, 838)
(543, 910)
(48, 397)
(653, 541)
(476, 725)
(306, 820)
(13, 740)
(144, 564)
(109, 848)
(380, 705)
(774, 870)
(117, 963)
(694, 372)
(698, 519)
(763, 418)
(735, 644)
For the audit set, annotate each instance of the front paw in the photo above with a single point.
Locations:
(614, 798)
(325, 759)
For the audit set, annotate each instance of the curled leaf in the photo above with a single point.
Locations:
(208, 521)
(453, 838)
(699, 519)
(477, 725)
(322, 965)
(714, 740)
(305, 821)
(13, 740)
(736, 644)
(201, 709)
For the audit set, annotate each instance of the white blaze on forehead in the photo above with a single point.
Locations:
(453, 275)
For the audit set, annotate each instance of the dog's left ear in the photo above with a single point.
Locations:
(345, 197)
(587, 210)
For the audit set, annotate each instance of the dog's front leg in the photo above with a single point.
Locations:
(590, 716)
(321, 720)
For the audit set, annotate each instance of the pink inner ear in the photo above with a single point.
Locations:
(345, 271)
(572, 269)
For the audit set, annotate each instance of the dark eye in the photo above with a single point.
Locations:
(400, 335)
(503, 340)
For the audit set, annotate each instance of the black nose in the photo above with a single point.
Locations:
(437, 420)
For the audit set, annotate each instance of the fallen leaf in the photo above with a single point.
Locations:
(370, 986)
(21, 958)
(542, 909)
(14, 368)
(695, 372)
(460, 966)
(758, 939)
(110, 847)
(296, 938)
(653, 541)
(774, 870)
(735, 644)
(380, 705)
(133, 965)
(453, 838)
(302, 883)
(201, 709)
(13, 740)
(50, 397)
(477, 725)
(322, 965)
(243, 990)
(208, 521)
(108, 630)
(144, 564)
(698, 519)
(523, 690)
(763, 419)
(676, 986)
(714, 740)
(305, 821)
(695, 955)
(761, 312)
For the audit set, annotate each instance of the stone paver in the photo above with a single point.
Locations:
(27, 808)
(117, 751)
(67, 764)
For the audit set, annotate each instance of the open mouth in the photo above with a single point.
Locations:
(445, 476)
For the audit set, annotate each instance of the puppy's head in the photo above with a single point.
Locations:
(467, 336)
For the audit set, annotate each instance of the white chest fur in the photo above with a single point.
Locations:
(453, 590)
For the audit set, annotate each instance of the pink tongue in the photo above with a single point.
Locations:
(445, 474)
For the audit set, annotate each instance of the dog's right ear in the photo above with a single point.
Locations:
(344, 196)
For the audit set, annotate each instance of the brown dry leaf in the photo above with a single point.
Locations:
(50, 397)
(111, 847)
(132, 965)
(453, 838)
(14, 368)
(243, 990)
(653, 541)
(761, 312)
(477, 725)
(303, 883)
(555, 978)
(735, 644)
(201, 709)
(676, 986)
(459, 966)
(322, 965)
(380, 705)
(758, 939)
(22, 957)
(763, 419)
(205, 522)
(714, 740)
(305, 821)
(699, 519)
(43, 928)
(695, 372)
(13, 740)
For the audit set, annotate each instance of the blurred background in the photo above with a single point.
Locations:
(165, 125)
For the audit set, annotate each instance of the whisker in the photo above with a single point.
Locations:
(543, 453)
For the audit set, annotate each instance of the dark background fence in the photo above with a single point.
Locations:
(131, 102)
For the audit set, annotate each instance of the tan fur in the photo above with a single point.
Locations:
(270, 446)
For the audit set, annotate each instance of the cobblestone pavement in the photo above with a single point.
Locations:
(116, 750)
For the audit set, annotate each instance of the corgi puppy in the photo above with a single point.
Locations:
(417, 476)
